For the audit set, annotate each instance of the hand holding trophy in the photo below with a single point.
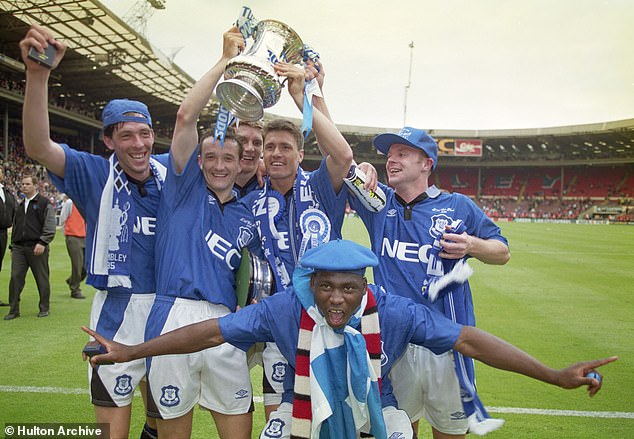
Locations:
(251, 83)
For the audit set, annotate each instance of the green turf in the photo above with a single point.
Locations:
(566, 295)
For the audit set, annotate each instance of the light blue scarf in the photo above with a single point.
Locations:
(340, 406)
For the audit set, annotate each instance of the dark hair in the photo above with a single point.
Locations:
(31, 176)
(285, 125)
(230, 135)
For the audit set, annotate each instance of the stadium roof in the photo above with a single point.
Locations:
(107, 58)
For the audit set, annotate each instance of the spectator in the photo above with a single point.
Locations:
(33, 230)
(75, 236)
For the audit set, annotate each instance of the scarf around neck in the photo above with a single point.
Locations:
(112, 241)
(308, 226)
(316, 414)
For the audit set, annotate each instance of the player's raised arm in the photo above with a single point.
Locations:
(191, 338)
(495, 352)
(331, 141)
(185, 136)
(35, 118)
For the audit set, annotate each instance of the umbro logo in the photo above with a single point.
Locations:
(241, 394)
(457, 415)
(391, 213)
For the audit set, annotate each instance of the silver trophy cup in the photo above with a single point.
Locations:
(251, 84)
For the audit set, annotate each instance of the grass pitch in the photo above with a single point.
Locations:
(566, 295)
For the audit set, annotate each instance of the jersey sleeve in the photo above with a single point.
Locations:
(416, 323)
(432, 329)
(334, 204)
(84, 178)
(272, 319)
(481, 225)
(178, 185)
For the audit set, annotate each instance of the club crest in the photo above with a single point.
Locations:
(169, 396)
(438, 224)
(123, 385)
(274, 428)
(279, 372)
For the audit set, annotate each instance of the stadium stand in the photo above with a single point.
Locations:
(556, 173)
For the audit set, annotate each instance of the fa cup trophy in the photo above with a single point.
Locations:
(251, 84)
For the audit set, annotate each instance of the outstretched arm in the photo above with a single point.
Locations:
(185, 136)
(35, 120)
(191, 338)
(331, 141)
(495, 352)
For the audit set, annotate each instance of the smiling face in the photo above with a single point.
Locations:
(337, 295)
(282, 156)
(251, 138)
(132, 142)
(220, 165)
(407, 169)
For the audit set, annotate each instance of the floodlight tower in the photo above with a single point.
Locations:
(409, 82)
(140, 13)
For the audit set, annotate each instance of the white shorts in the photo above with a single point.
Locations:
(274, 367)
(217, 378)
(426, 386)
(397, 423)
(122, 318)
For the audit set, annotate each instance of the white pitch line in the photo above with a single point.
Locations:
(554, 412)
(259, 399)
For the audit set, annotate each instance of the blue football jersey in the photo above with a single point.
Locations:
(199, 239)
(401, 321)
(402, 236)
(286, 238)
(85, 178)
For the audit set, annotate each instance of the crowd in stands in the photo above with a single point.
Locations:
(534, 208)
(54, 99)
(74, 105)
(16, 164)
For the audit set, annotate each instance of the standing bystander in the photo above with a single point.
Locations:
(75, 235)
(33, 230)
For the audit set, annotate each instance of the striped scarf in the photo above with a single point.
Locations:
(314, 380)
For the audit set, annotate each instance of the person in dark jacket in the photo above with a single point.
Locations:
(33, 231)
(7, 210)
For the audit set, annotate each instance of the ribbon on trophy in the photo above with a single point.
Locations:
(311, 88)
(245, 23)
(223, 122)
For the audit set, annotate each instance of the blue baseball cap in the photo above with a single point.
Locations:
(409, 136)
(125, 110)
(339, 255)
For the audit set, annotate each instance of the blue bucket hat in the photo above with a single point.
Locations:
(339, 255)
(412, 137)
(125, 110)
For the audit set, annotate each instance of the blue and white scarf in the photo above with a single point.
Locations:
(308, 226)
(112, 240)
(446, 277)
(318, 414)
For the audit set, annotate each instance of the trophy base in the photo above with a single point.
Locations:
(241, 99)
